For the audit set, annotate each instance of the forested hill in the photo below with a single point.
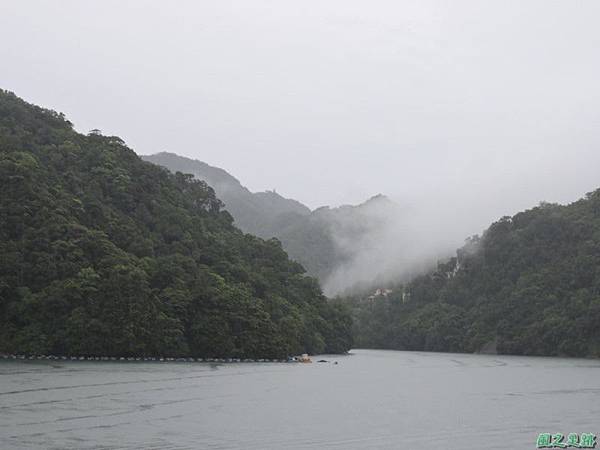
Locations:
(530, 285)
(102, 253)
(326, 241)
(253, 212)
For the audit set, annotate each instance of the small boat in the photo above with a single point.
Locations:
(304, 358)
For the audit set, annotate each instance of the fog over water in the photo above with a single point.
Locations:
(461, 112)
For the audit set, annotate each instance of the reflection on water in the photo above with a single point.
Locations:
(370, 400)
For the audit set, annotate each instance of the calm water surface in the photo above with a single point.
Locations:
(369, 400)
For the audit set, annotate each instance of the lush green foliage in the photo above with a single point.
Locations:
(105, 254)
(256, 213)
(312, 238)
(529, 285)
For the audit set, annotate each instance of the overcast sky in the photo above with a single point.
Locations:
(472, 109)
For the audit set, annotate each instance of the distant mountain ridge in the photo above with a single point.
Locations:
(253, 212)
(323, 241)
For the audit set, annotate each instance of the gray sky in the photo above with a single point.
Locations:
(469, 109)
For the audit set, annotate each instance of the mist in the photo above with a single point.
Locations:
(397, 242)
(460, 112)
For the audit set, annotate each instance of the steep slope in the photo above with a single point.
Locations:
(328, 242)
(530, 285)
(253, 213)
(336, 243)
(105, 254)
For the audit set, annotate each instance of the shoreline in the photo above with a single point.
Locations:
(22, 357)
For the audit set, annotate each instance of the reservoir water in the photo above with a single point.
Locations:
(369, 400)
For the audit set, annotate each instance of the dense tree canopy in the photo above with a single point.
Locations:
(529, 285)
(102, 253)
(323, 241)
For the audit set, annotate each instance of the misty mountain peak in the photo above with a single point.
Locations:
(323, 241)
(379, 198)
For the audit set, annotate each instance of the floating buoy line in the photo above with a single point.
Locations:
(147, 359)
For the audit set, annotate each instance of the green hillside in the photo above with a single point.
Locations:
(105, 254)
(530, 285)
(253, 212)
(323, 240)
